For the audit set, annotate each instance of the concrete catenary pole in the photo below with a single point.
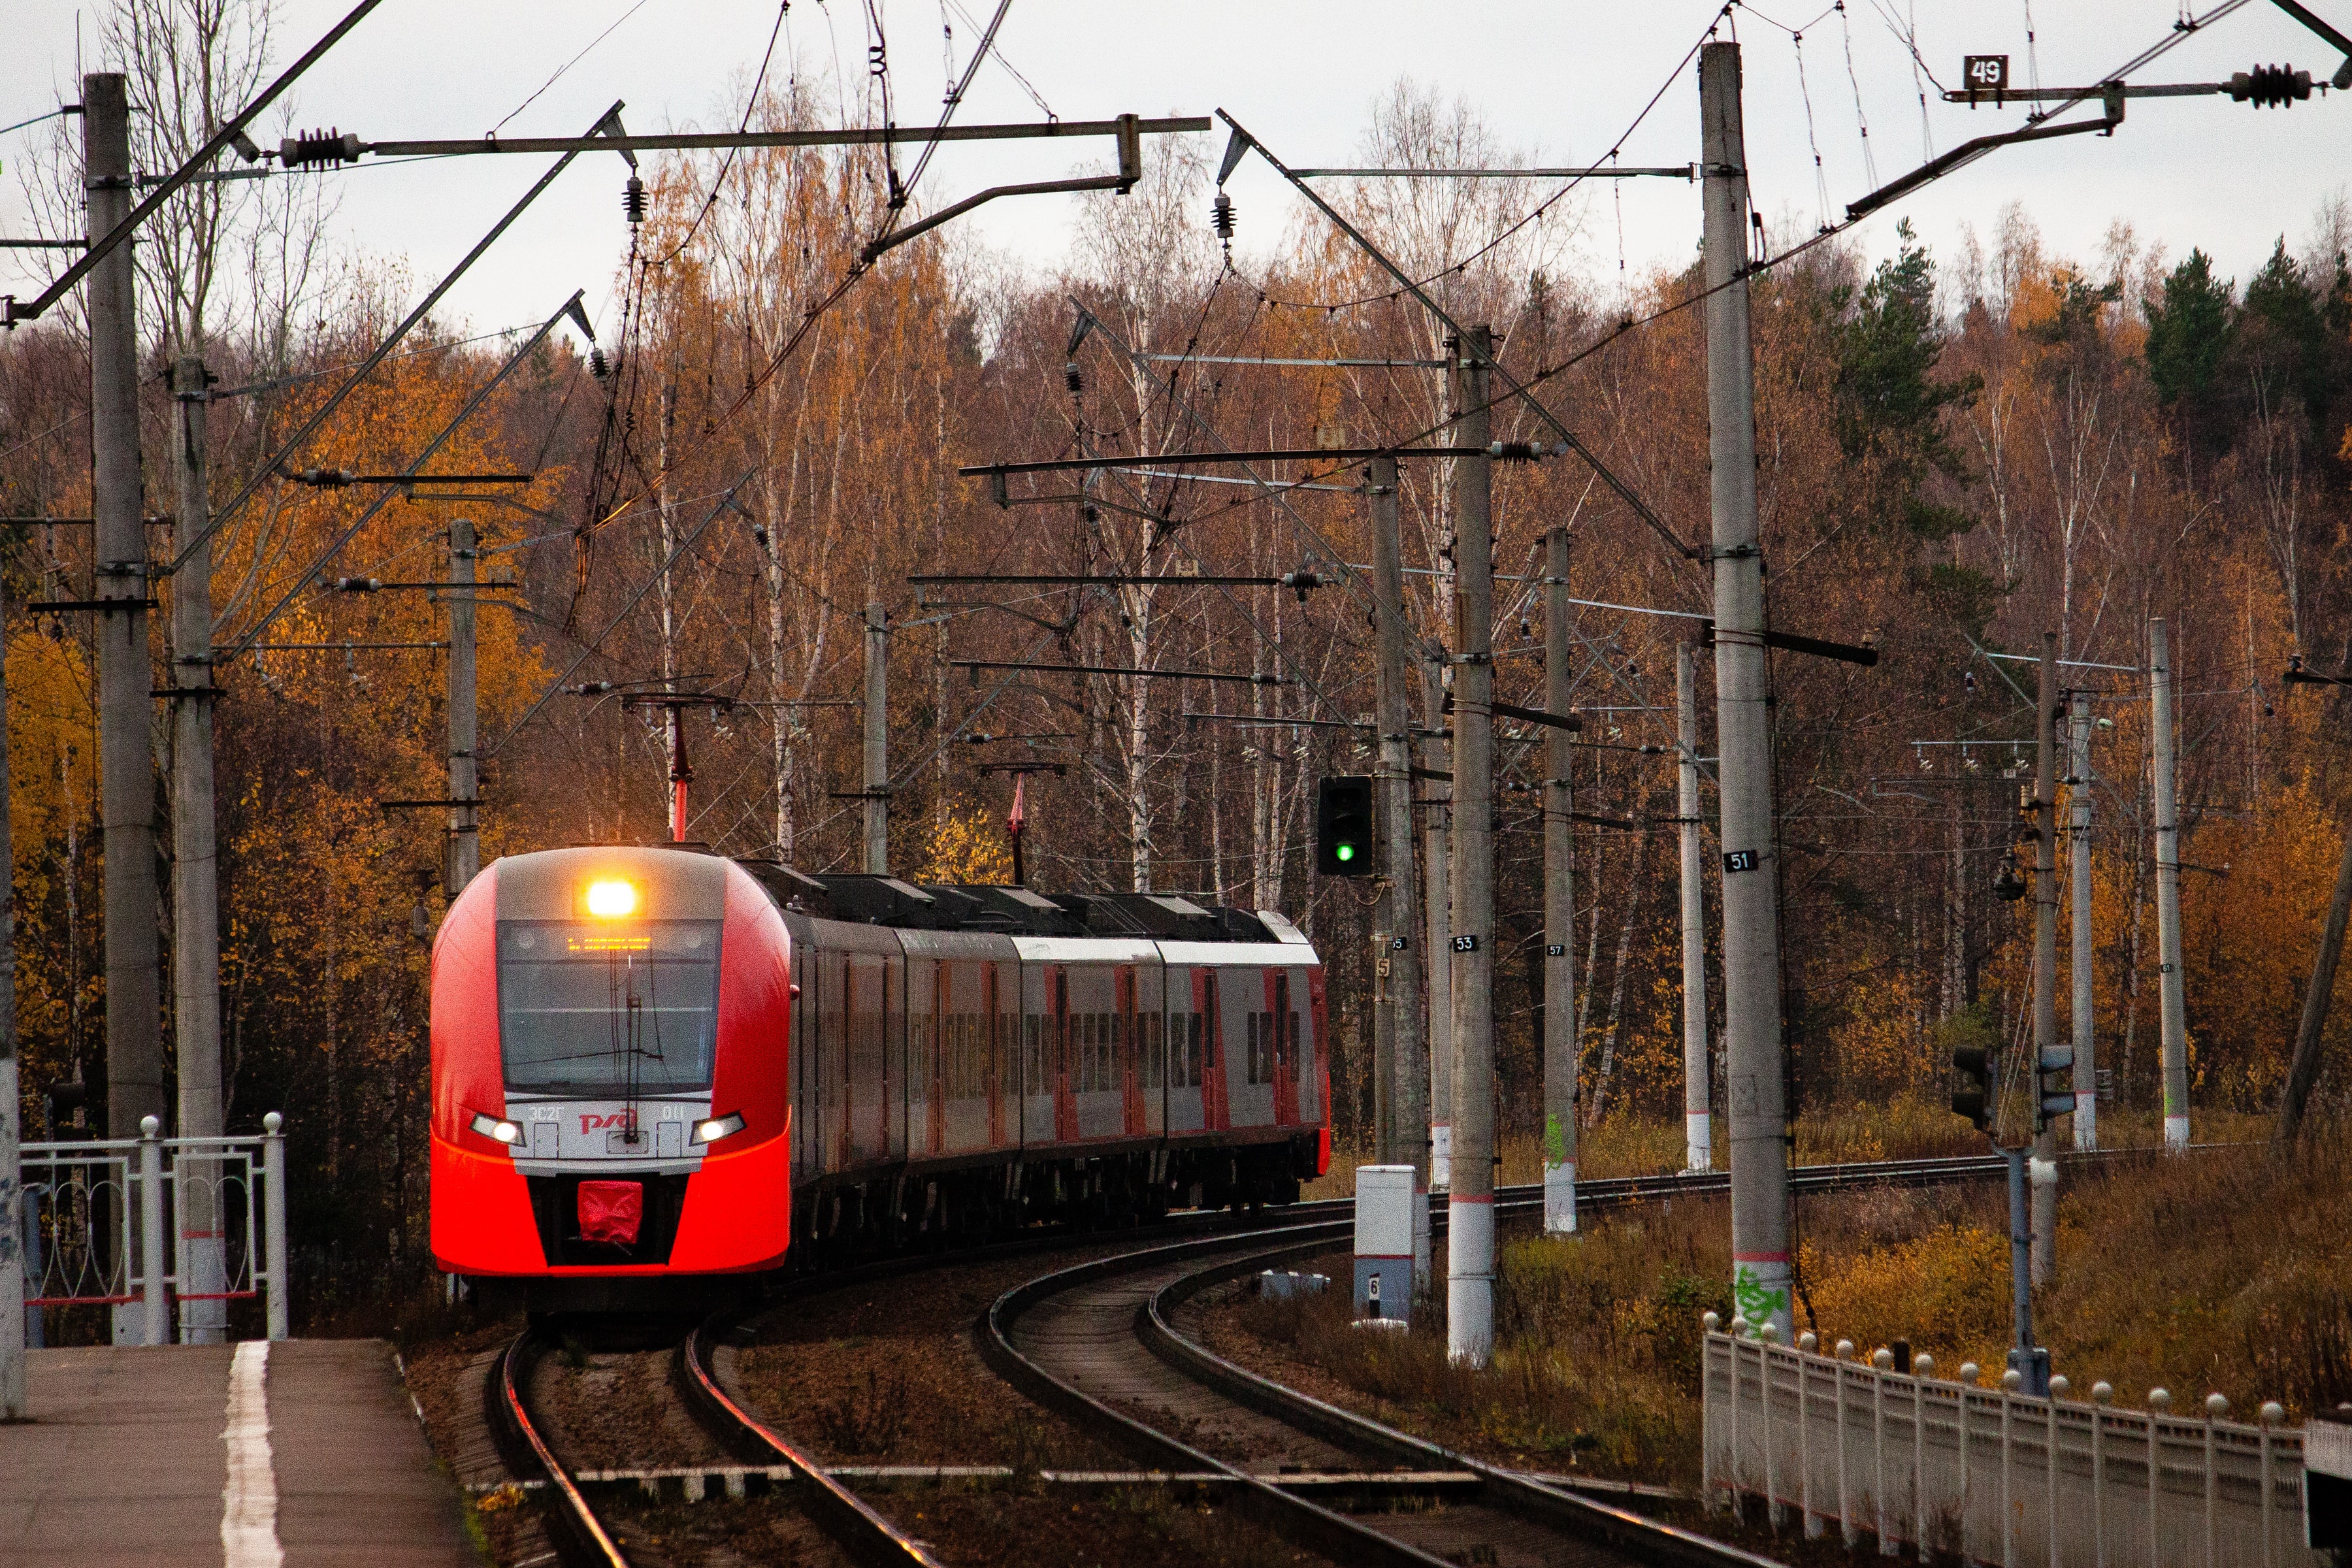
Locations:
(877, 741)
(126, 750)
(2078, 850)
(134, 1055)
(1470, 1207)
(465, 852)
(1437, 911)
(2175, 1011)
(2044, 1168)
(12, 1257)
(1751, 921)
(1698, 1079)
(1560, 1033)
(196, 894)
(1407, 1099)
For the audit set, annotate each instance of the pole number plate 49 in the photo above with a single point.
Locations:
(1985, 73)
(1738, 861)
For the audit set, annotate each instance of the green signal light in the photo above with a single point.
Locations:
(1344, 852)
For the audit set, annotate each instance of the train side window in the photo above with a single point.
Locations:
(1195, 1073)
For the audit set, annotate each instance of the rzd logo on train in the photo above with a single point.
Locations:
(619, 1121)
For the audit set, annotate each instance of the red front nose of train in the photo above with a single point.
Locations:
(610, 1046)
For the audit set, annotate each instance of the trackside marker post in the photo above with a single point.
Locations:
(1385, 1239)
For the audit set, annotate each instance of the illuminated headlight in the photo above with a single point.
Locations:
(611, 899)
(717, 1127)
(498, 1131)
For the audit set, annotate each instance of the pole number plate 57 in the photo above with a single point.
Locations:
(1738, 861)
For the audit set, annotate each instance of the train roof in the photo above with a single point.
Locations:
(860, 900)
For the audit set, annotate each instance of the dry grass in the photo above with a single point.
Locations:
(2228, 1272)
(1596, 1360)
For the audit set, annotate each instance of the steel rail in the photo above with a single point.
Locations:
(1610, 1528)
(576, 1523)
(858, 1529)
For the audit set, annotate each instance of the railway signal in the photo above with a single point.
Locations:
(2053, 1087)
(1973, 1093)
(1343, 826)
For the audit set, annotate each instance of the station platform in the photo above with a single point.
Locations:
(301, 1453)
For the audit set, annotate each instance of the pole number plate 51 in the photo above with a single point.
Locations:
(1738, 861)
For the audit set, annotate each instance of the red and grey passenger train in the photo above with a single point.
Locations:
(656, 1070)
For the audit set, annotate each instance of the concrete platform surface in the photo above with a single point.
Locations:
(302, 1453)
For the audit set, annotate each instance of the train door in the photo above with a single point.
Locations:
(806, 1059)
(932, 1028)
(993, 1011)
(1127, 1039)
(1066, 1103)
(845, 1087)
(1152, 1043)
(1284, 1030)
(1249, 1026)
(1314, 1065)
(1216, 1112)
(892, 1052)
(1034, 1052)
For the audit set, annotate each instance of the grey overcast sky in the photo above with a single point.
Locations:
(1561, 82)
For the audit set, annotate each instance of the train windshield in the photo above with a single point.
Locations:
(613, 1011)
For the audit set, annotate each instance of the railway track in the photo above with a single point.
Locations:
(1068, 1338)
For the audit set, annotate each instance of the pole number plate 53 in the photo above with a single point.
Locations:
(1738, 861)
(1468, 944)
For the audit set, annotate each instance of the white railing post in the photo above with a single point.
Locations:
(1880, 1359)
(1923, 1367)
(1773, 1513)
(1706, 1408)
(1808, 1343)
(151, 1230)
(1960, 1410)
(2271, 1414)
(2100, 1394)
(1707, 1389)
(2050, 1464)
(273, 1218)
(1846, 1530)
(2008, 1474)
(2216, 1406)
(2158, 1401)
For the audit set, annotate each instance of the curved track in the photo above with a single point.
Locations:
(1070, 1340)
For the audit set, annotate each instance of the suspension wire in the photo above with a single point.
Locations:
(1617, 197)
(2032, 54)
(1009, 68)
(492, 133)
(750, 106)
(1805, 91)
(1926, 136)
(1869, 163)
(1331, 307)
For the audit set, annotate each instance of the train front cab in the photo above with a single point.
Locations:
(610, 1047)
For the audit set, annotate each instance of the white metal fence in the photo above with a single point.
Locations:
(138, 1223)
(1993, 1476)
